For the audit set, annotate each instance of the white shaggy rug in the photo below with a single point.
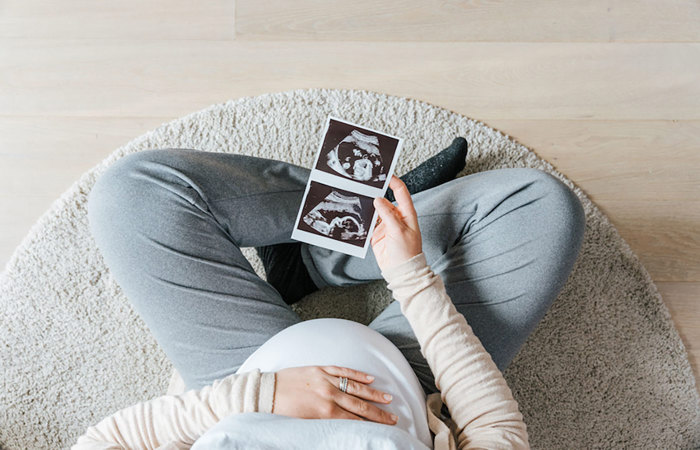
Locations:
(604, 369)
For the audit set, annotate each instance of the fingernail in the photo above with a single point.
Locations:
(394, 418)
(387, 397)
(370, 377)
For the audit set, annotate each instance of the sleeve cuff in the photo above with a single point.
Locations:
(267, 391)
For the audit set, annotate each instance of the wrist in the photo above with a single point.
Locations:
(411, 264)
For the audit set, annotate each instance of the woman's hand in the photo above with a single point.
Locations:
(396, 237)
(313, 392)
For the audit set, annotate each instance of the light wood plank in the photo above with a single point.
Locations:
(663, 234)
(683, 302)
(625, 160)
(87, 139)
(514, 81)
(438, 20)
(130, 19)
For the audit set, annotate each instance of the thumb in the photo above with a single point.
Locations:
(385, 209)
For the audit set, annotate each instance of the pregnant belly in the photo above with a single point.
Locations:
(345, 343)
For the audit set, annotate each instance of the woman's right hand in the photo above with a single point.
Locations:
(312, 392)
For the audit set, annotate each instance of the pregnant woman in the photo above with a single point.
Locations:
(473, 264)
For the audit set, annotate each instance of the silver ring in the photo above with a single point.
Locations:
(343, 384)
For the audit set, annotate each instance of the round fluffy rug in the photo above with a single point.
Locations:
(604, 369)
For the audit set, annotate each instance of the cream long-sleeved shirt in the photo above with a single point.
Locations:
(483, 412)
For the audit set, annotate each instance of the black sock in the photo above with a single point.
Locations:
(284, 267)
(436, 170)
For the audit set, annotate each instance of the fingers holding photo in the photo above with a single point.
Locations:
(396, 236)
(389, 216)
(404, 201)
(378, 234)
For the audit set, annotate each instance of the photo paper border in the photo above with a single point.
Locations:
(348, 185)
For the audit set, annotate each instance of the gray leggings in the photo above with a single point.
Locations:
(170, 224)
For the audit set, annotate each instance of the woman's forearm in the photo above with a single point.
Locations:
(177, 421)
(471, 385)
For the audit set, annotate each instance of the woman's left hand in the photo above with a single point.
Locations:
(396, 238)
(312, 392)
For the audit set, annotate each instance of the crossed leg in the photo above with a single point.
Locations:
(170, 224)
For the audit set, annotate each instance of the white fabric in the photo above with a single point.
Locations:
(345, 343)
(257, 431)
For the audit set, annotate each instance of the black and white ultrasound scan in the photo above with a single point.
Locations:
(357, 153)
(337, 214)
(353, 166)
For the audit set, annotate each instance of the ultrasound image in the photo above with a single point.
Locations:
(355, 153)
(357, 156)
(338, 216)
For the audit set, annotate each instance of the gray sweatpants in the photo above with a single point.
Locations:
(170, 224)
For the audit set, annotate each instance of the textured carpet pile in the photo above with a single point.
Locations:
(605, 368)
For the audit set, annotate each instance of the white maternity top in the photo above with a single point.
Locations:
(345, 343)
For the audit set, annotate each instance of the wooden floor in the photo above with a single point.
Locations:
(608, 92)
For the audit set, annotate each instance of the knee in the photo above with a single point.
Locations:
(560, 207)
(117, 190)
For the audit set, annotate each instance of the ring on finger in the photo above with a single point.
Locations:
(343, 384)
